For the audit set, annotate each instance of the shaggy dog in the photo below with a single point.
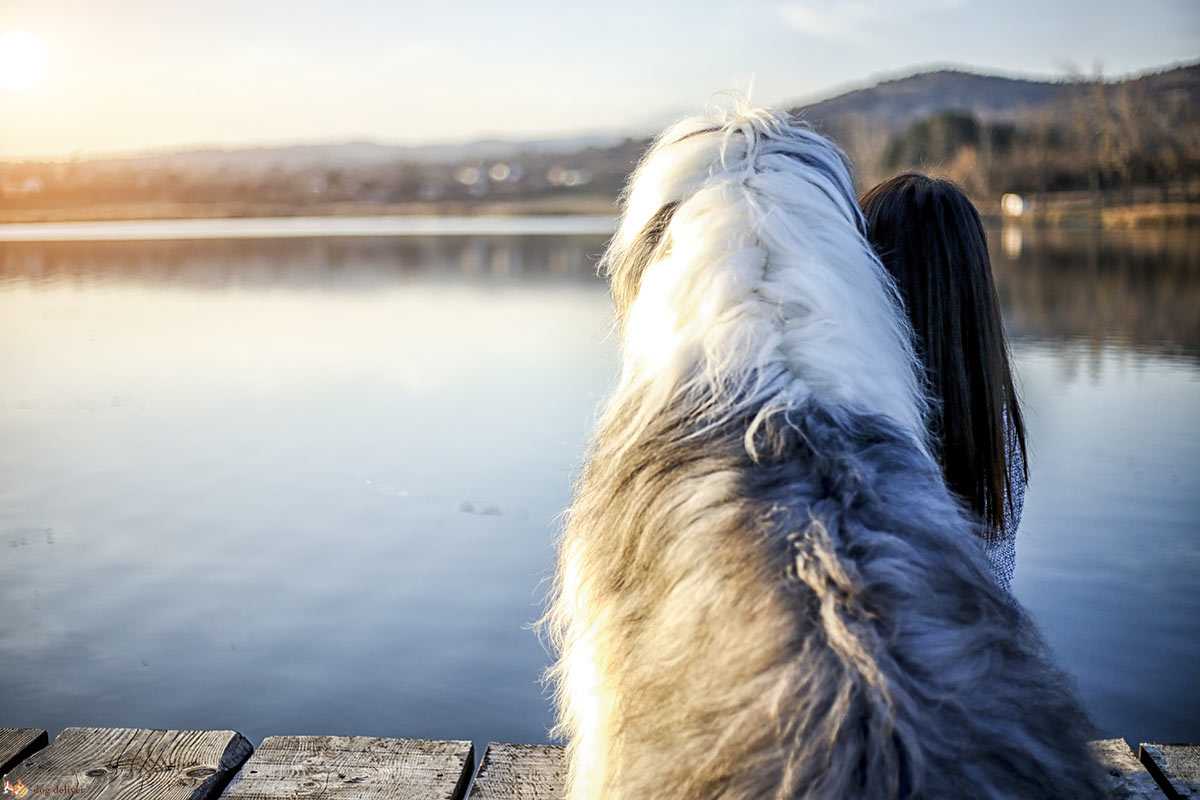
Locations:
(764, 588)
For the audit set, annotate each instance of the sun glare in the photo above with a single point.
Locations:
(23, 60)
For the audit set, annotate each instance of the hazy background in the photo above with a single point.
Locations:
(126, 110)
(167, 74)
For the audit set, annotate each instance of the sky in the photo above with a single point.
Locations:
(128, 76)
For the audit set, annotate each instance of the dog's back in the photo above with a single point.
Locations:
(764, 587)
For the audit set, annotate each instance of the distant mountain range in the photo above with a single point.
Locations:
(896, 103)
(890, 104)
(363, 154)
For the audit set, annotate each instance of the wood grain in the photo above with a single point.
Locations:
(112, 763)
(524, 771)
(1127, 778)
(18, 743)
(354, 768)
(1176, 767)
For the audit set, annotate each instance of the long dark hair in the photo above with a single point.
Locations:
(931, 239)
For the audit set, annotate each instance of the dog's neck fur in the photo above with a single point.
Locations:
(741, 257)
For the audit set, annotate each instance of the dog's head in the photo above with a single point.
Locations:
(698, 151)
(740, 258)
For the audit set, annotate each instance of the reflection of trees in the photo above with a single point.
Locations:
(321, 263)
(1140, 288)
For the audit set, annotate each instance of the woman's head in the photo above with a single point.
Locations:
(930, 238)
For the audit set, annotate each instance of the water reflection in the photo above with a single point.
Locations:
(328, 264)
(289, 486)
(1139, 289)
(308, 486)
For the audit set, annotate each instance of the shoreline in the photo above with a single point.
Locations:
(1073, 212)
(591, 205)
(308, 227)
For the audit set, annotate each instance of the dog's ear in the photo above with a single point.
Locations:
(627, 258)
(651, 244)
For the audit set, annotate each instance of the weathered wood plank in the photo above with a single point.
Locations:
(18, 743)
(354, 768)
(1127, 778)
(520, 772)
(1176, 767)
(110, 763)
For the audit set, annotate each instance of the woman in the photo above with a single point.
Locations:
(930, 238)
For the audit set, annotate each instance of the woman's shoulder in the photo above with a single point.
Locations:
(1016, 482)
(1002, 553)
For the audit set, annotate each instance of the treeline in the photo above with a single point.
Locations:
(54, 189)
(1117, 143)
(1099, 145)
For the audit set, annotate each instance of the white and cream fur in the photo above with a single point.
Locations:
(764, 589)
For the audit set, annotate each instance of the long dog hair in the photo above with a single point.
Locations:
(764, 588)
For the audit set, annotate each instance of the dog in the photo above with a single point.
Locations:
(764, 588)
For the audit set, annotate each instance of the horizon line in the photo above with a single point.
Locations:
(627, 132)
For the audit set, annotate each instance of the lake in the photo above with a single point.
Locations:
(298, 484)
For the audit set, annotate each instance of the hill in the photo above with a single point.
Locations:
(896, 103)
(356, 154)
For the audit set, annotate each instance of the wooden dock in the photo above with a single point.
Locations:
(111, 763)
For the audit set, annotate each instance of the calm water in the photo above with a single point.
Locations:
(309, 485)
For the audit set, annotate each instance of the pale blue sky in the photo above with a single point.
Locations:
(145, 74)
